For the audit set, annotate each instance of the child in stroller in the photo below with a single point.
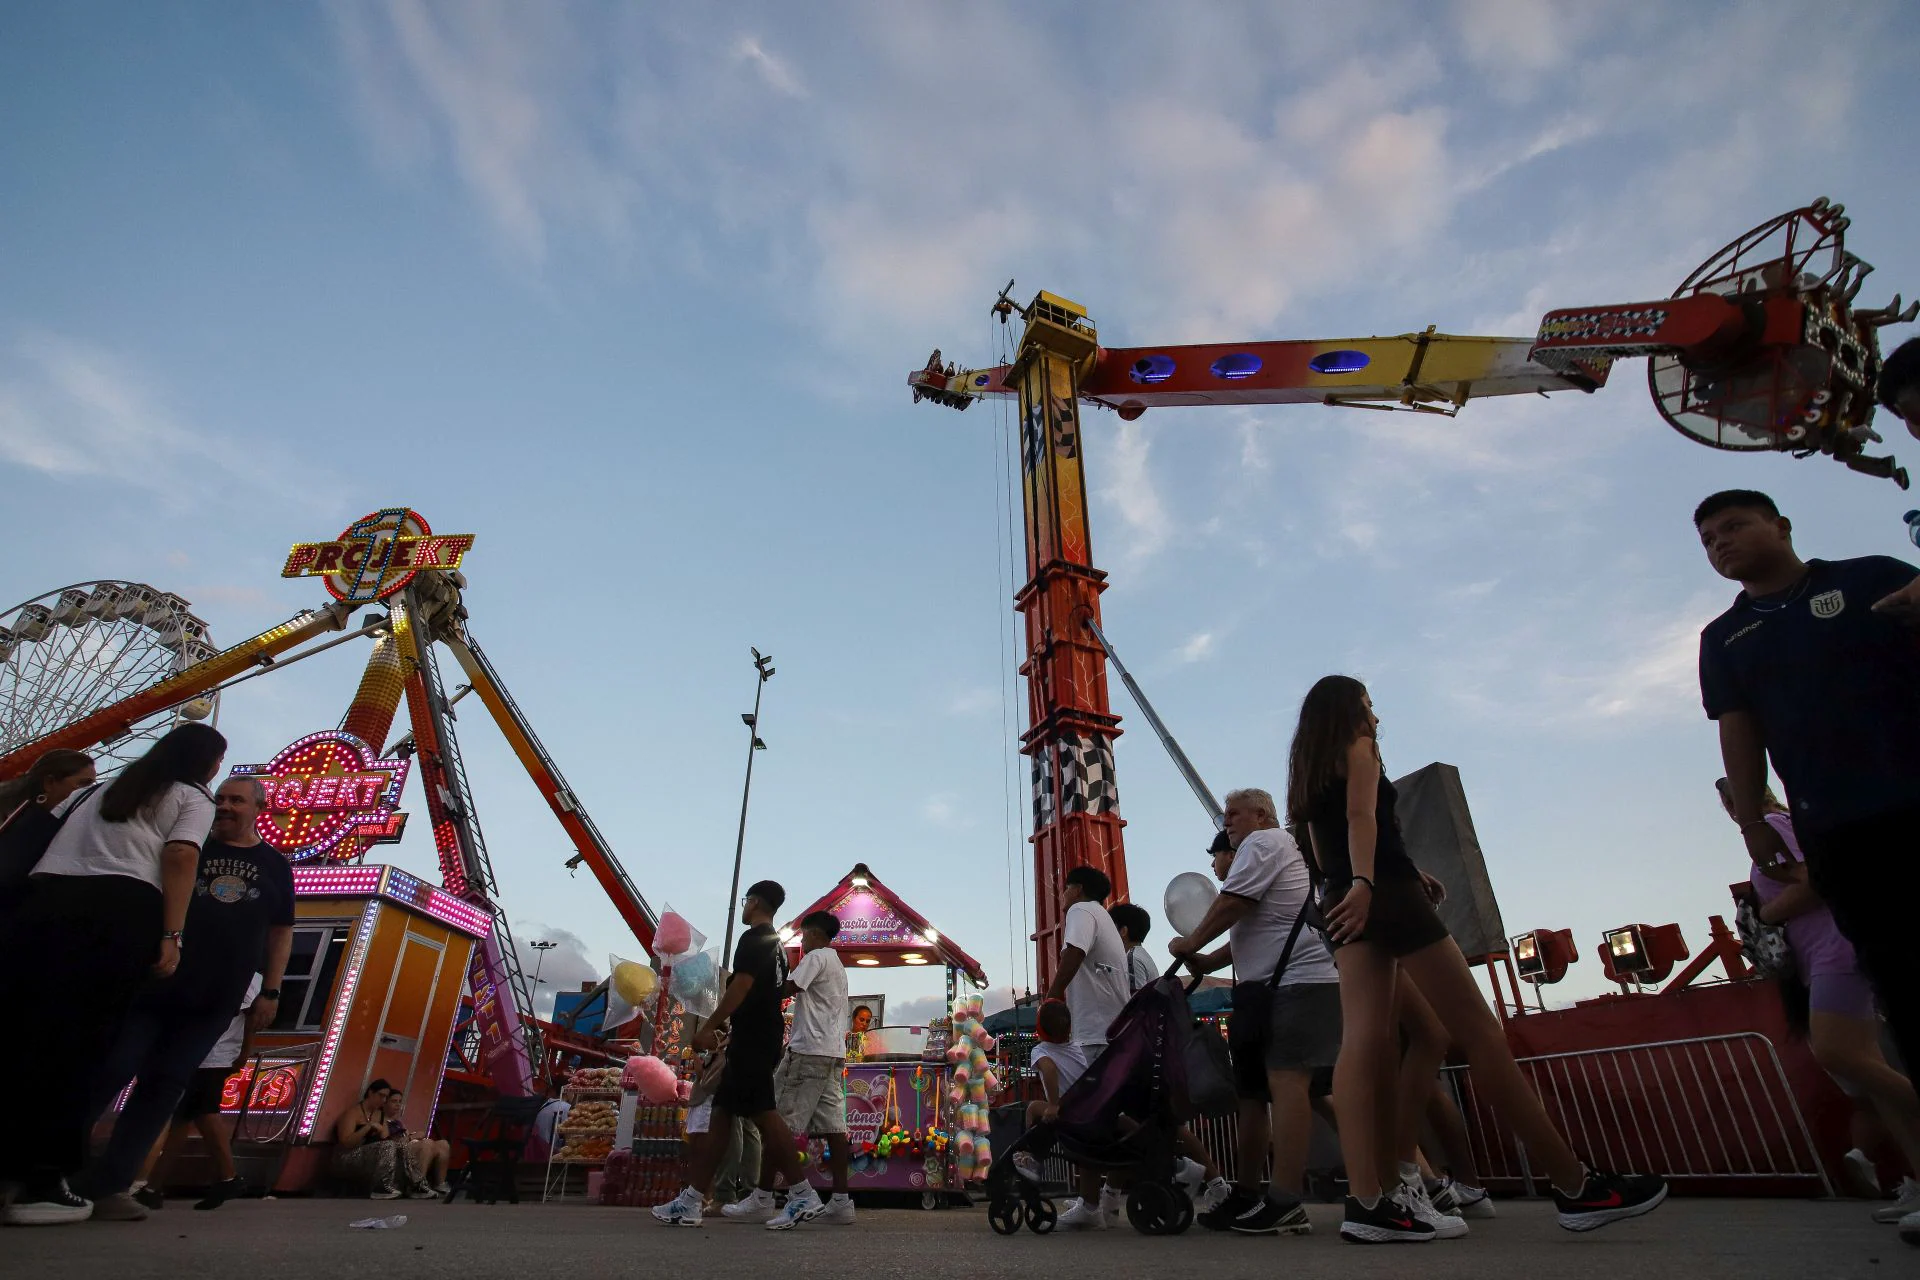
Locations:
(1120, 1118)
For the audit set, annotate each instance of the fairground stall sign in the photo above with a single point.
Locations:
(377, 555)
(328, 797)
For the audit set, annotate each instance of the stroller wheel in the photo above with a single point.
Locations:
(1041, 1216)
(1005, 1215)
(1153, 1209)
(1185, 1205)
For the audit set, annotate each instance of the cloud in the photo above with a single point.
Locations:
(941, 810)
(72, 411)
(563, 968)
(1197, 647)
(1133, 494)
(975, 701)
(777, 74)
(1556, 669)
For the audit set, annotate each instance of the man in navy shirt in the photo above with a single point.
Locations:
(1817, 667)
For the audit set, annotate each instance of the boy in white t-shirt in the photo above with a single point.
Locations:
(1091, 974)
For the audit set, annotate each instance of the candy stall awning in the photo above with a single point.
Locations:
(879, 930)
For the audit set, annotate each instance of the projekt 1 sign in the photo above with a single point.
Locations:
(326, 790)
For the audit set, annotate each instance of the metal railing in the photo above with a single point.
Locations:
(1710, 1108)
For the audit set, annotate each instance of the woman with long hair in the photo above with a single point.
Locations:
(1829, 1001)
(103, 914)
(27, 823)
(1384, 928)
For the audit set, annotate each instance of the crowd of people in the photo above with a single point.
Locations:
(1342, 963)
(145, 928)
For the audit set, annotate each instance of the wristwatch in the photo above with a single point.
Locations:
(174, 934)
(270, 994)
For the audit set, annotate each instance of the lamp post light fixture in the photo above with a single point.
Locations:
(539, 964)
(763, 672)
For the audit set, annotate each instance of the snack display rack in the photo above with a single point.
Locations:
(583, 1140)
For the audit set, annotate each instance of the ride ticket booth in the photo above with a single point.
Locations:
(379, 961)
(896, 1076)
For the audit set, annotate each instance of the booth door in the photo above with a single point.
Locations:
(403, 1026)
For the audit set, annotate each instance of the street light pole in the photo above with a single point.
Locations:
(763, 667)
(539, 964)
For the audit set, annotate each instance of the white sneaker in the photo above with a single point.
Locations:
(681, 1211)
(1213, 1195)
(1462, 1200)
(1905, 1203)
(803, 1205)
(1413, 1195)
(1189, 1173)
(758, 1207)
(1081, 1216)
(839, 1211)
(1859, 1175)
(1113, 1205)
(1910, 1228)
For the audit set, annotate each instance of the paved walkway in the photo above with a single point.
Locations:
(267, 1240)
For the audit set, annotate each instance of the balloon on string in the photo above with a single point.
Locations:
(1189, 896)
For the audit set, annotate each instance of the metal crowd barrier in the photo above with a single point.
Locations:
(1710, 1108)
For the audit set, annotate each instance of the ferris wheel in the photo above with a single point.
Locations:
(70, 652)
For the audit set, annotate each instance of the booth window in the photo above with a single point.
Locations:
(314, 964)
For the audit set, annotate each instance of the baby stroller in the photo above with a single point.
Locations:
(1159, 1070)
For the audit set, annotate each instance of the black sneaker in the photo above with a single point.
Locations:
(1388, 1222)
(50, 1203)
(1221, 1219)
(221, 1192)
(151, 1197)
(1274, 1218)
(1610, 1197)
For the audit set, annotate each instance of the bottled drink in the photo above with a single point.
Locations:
(380, 1224)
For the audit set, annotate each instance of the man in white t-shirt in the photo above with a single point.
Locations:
(1091, 975)
(809, 1087)
(1280, 1032)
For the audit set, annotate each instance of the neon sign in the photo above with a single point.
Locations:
(377, 555)
(329, 790)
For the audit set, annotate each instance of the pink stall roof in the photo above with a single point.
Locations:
(876, 925)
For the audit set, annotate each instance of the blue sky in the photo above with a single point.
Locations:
(630, 293)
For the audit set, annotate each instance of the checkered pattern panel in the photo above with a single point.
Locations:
(1084, 764)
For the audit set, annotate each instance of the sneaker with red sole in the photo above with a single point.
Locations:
(1608, 1198)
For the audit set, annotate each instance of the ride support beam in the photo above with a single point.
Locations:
(117, 720)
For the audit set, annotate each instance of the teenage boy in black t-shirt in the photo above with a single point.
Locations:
(750, 1008)
(1817, 667)
(239, 922)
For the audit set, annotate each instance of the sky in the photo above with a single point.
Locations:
(631, 292)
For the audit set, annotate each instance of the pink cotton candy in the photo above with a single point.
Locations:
(651, 1078)
(674, 935)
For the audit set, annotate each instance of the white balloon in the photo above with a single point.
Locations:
(1189, 895)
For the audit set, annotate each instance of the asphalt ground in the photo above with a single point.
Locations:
(272, 1239)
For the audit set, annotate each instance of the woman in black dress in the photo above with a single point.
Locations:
(1382, 926)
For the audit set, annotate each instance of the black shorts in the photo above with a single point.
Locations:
(1302, 1033)
(202, 1095)
(746, 1082)
(1401, 920)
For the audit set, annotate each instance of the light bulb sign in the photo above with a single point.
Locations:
(377, 555)
(327, 796)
